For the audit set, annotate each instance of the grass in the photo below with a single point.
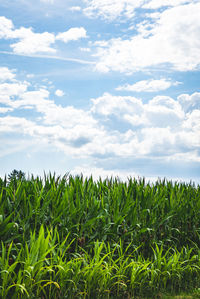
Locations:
(70, 237)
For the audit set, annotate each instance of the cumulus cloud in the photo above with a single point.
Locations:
(172, 40)
(148, 85)
(190, 102)
(12, 89)
(6, 74)
(192, 120)
(108, 104)
(163, 111)
(66, 128)
(14, 124)
(32, 43)
(59, 93)
(160, 112)
(72, 34)
(29, 42)
(160, 127)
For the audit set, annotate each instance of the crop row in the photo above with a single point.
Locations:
(47, 268)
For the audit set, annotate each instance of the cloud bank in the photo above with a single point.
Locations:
(164, 127)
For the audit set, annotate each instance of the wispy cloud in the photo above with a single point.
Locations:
(148, 85)
(75, 8)
(154, 4)
(111, 9)
(47, 1)
(76, 60)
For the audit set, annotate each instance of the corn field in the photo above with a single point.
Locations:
(73, 237)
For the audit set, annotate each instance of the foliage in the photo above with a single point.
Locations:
(72, 237)
(16, 176)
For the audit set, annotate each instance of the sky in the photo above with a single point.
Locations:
(101, 87)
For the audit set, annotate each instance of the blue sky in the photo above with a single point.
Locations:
(102, 87)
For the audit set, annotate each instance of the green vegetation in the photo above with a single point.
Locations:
(71, 237)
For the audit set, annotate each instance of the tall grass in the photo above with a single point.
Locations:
(70, 237)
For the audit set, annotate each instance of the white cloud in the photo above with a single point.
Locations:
(85, 49)
(5, 110)
(29, 42)
(75, 8)
(163, 111)
(172, 40)
(158, 141)
(160, 127)
(30, 76)
(154, 4)
(111, 9)
(108, 104)
(6, 74)
(190, 102)
(32, 43)
(14, 124)
(193, 120)
(47, 1)
(6, 27)
(36, 99)
(59, 93)
(72, 34)
(12, 89)
(190, 156)
(148, 85)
